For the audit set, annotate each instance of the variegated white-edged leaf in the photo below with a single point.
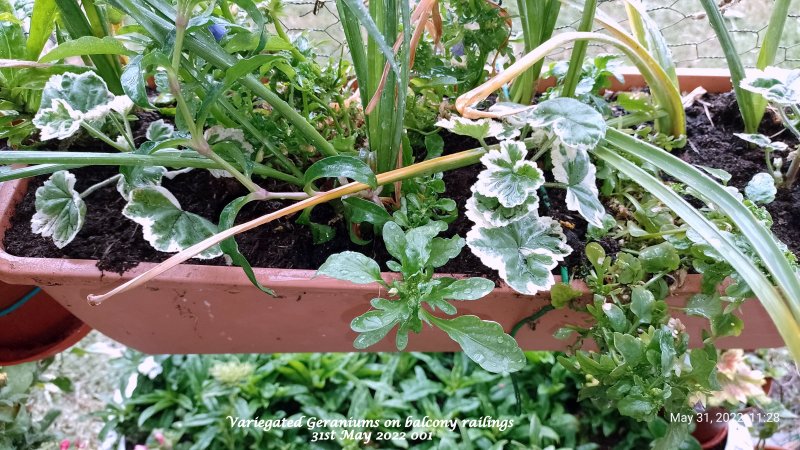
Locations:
(576, 124)
(134, 177)
(477, 129)
(762, 141)
(159, 131)
(60, 210)
(120, 104)
(508, 176)
(166, 226)
(524, 253)
(761, 188)
(779, 86)
(82, 92)
(58, 121)
(488, 211)
(218, 134)
(574, 168)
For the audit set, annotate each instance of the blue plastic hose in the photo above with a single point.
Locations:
(20, 302)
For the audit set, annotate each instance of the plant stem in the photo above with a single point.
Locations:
(556, 185)
(794, 168)
(579, 51)
(168, 158)
(530, 319)
(100, 135)
(91, 189)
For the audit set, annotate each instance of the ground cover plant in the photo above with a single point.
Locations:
(242, 100)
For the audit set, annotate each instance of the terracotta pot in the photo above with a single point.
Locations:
(37, 329)
(710, 433)
(204, 309)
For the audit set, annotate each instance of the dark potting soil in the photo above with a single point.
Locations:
(713, 144)
(117, 242)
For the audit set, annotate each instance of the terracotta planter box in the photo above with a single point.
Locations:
(202, 309)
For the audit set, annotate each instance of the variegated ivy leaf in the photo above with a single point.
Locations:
(574, 168)
(159, 131)
(488, 211)
(219, 134)
(576, 124)
(524, 252)
(508, 176)
(166, 226)
(59, 121)
(761, 189)
(779, 86)
(134, 177)
(60, 210)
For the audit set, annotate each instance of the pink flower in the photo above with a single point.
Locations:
(159, 437)
(140, 447)
(64, 444)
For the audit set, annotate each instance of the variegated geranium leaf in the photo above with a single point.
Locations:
(488, 211)
(83, 92)
(574, 168)
(761, 188)
(776, 85)
(159, 131)
(139, 176)
(166, 226)
(477, 129)
(576, 124)
(524, 252)
(70, 100)
(220, 139)
(508, 176)
(58, 121)
(60, 210)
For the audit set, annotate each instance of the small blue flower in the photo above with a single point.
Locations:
(219, 31)
(458, 49)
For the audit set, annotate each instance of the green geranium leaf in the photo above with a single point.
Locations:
(353, 267)
(761, 188)
(341, 166)
(484, 342)
(375, 324)
(628, 268)
(524, 252)
(573, 168)
(576, 124)
(637, 406)
(779, 86)
(488, 211)
(616, 316)
(508, 176)
(60, 210)
(166, 226)
(726, 325)
(467, 289)
(660, 257)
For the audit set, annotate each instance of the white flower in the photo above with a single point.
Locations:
(150, 367)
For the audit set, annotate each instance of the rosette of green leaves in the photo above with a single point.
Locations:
(418, 252)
